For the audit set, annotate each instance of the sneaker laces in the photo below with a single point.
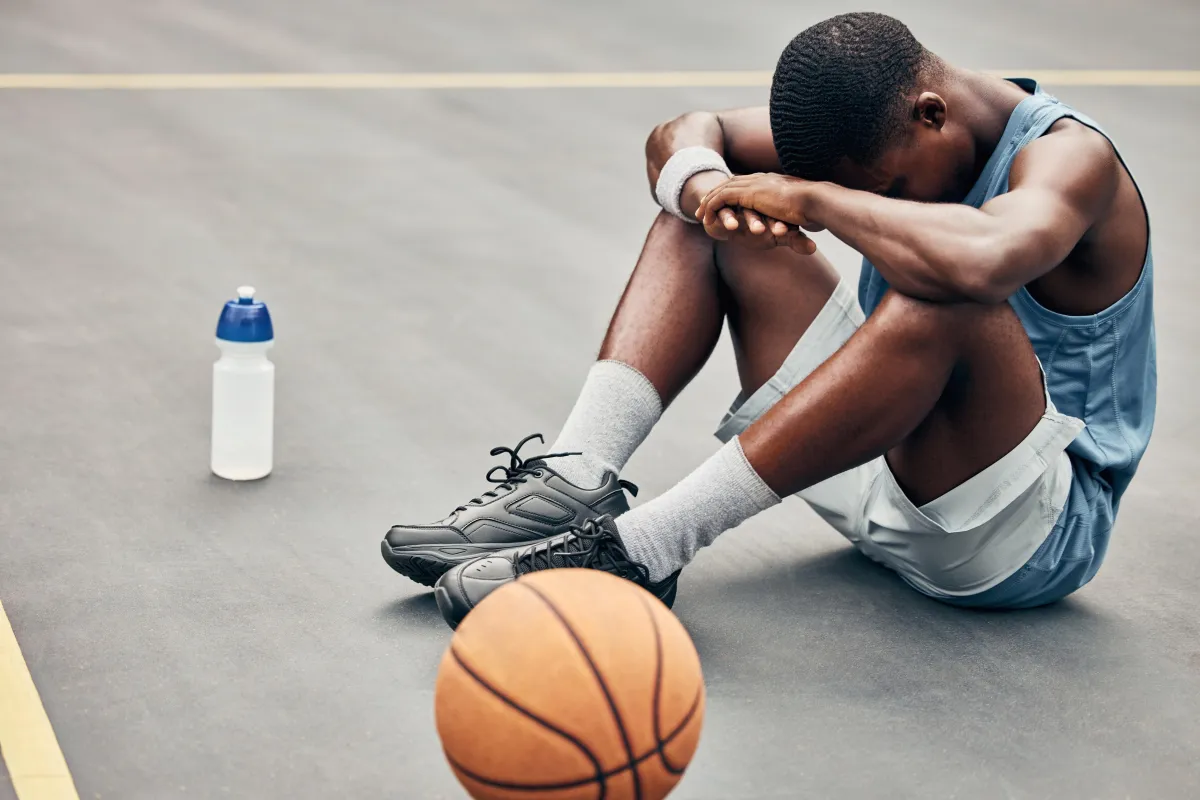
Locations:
(590, 545)
(517, 471)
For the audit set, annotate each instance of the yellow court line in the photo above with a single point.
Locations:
(521, 80)
(27, 743)
(389, 80)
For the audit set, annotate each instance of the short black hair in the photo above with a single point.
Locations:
(838, 92)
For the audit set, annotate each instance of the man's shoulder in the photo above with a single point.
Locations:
(1068, 147)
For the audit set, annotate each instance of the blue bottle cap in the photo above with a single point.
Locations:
(245, 319)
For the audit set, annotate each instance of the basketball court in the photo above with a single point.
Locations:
(414, 189)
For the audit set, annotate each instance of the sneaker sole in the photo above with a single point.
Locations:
(425, 564)
(446, 605)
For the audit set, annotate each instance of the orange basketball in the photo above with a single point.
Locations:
(570, 684)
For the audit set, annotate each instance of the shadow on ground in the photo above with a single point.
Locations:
(840, 612)
(418, 609)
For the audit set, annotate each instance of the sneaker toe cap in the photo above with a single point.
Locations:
(466, 586)
(483, 574)
(408, 535)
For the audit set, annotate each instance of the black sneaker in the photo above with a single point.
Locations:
(530, 502)
(594, 545)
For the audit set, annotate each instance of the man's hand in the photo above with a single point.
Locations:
(743, 136)
(768, 205)
(742, 226)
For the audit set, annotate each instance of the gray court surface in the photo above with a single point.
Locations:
(441, 266)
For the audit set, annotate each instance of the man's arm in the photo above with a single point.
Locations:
(742, 136)
(1059, 187)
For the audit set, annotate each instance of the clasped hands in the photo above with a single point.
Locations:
(761, 211)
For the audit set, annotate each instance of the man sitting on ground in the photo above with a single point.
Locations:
(970, 420)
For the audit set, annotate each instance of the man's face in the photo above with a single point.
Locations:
(931, 162)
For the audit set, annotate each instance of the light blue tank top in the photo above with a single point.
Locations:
(1100, 368)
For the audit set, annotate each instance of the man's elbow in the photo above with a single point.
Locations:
(665, 138)
(983, 273)
(654, 139)
(658, 142)
(986, 290)
(704, 125)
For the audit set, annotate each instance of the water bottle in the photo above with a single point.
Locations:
(243, 408)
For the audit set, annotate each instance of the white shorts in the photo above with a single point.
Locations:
(964, 542)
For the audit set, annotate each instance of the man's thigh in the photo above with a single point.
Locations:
(770, 297)
(992, 402)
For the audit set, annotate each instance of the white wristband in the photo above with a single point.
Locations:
(679, 168)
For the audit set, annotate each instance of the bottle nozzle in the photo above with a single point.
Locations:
(245, 319)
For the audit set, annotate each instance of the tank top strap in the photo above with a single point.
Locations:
(1032, 117)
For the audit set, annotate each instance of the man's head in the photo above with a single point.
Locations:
(857, 100)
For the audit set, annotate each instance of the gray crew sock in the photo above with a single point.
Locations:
(615, 412)
(720, 494)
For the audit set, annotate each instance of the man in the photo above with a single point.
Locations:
(974, 432)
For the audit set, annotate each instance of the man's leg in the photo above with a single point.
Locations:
(670, 316)
(666, 326)
(663, 331)
(943, 390)
(917, 381)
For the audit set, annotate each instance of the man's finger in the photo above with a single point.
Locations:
(754, 223)
(801, 243)
(716, 230)
(728, 219)
(778, 229)
(718, 205)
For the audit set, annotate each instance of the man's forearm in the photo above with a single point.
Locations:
(695, 129)
(742, 136)
(933, 251)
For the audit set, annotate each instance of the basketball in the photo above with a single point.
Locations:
(569, 684)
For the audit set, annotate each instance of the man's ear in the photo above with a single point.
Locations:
(930, 110)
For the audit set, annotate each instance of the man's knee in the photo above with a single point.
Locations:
(672, 244)
(778, 271)
(961, 326)
(670, 227)
(733, 258)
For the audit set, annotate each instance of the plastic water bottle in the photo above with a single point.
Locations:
(243, 409)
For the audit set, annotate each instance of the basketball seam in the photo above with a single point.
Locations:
(504, 698)
(637, 782)
(683, 723)
(658, 663)
(547, 787)
(658, 671)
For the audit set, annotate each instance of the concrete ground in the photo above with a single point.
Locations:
(440, 266)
